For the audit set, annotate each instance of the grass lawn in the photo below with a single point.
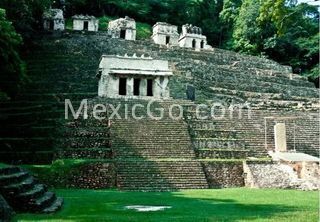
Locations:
(237, 204)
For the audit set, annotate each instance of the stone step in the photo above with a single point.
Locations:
(8, 179)
(210, 133)
(91, 153)
(200, 143)
(37, 191)
(222, 154)
(44, 201)
(23, 192)
(55, 206)
(21, 187)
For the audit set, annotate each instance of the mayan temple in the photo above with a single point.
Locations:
(109, 110)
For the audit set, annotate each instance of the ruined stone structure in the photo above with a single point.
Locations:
(165, 34)
(124, 28)
(85, 23)
(53, 20)
(124, 76)
(191, 37)
(24, 194)
(205, 152)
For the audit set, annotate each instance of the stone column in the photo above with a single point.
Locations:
(143, 87)
(157, 88)
(280, 138)
(129, 86)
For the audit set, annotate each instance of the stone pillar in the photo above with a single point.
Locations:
(129, 86)
(165, 89)
(112, 86)
(157, 88)
(143, 87)
(280, 138)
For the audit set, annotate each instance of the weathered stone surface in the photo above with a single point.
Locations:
(93, 176)
(276, 175)
(53, 20)
(217, 75)
(280, 138)
(165, 34)
(123, 28)
(224, 174)
(85, 23)
(23, 192)
(191, 37)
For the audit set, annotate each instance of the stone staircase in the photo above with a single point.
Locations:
(34, 126)
(24, 194)
(85, 138)
(160, 175)
(211, 142)
(155, 155)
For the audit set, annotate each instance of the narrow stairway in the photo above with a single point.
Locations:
(24, 194)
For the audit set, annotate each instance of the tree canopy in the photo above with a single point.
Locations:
(279, 29)
(11, 68)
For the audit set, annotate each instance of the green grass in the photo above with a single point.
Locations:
(238, 204)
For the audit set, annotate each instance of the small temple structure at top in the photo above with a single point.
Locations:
(164, 34)
(124, 28)
(53, 20)
(133, 77)
(85, 23)
(192, 37)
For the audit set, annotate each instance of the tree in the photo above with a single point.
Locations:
(12, 67)
(228, 16)
(24, 14)
(247, 35)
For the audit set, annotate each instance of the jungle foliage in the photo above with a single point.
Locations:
(282, 30)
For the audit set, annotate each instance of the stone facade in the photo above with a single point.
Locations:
(53, 20)
(191, 37)
(277, 175)
(224, 174)
(85, 23)
(165, 34)
(124, 76)
(124, 28)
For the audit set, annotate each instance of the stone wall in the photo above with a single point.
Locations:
(95, 175)
(222, 174)
(269, 175)
(276, 175)
(70, 72)
(93, 25)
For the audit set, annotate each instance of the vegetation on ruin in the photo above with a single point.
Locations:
(193, 205)
(281, 30)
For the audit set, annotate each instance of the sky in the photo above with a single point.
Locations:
(311, 2)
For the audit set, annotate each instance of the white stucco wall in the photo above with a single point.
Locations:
(59, 25)
(128, 24)
(93, 25)
(56, 16)
(112, 68)
(187, 39)
(162, 30)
